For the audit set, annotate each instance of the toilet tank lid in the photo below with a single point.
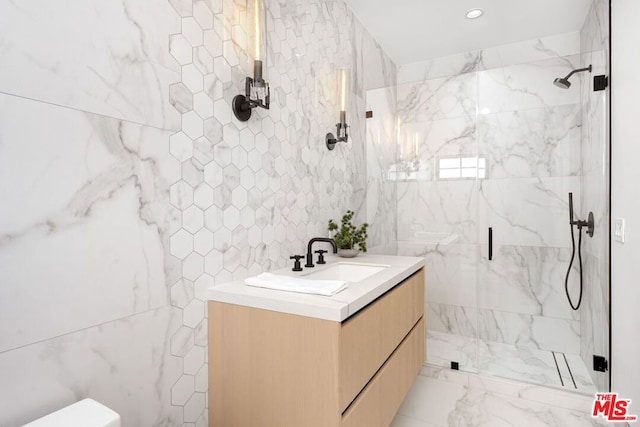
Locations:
(85, 413)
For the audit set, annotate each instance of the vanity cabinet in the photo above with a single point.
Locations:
(273, 369)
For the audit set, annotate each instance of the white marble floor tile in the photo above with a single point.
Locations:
(443, 348)
(434, 402)
(446, 374)
(535, 393)
(518, 363)
(481, 408)
(538, 393)
(507, 361)
(564, 371)
(580, 374)
(404, 421)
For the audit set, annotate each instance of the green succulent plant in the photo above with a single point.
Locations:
(347, 235)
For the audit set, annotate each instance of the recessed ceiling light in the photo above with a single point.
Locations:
(474, 13)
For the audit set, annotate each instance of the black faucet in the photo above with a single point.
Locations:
(318, 239)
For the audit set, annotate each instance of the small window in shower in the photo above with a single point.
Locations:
(461, 167)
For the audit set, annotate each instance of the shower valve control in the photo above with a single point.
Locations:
(600, 83)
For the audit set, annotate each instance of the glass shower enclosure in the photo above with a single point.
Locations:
(488, 149)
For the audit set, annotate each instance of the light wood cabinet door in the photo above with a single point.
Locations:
(369, 337)
(270, 369)
(379, 401)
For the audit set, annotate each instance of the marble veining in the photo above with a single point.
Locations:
(85, 162)
(491, 57)
(84, 64)
(100, 209)
(380, 194)
(539, 142)
(440, 398)
(524, 86)
(541, 332)
(97, 362)
(531, 50)
(441, 98)
(523, 330)
(527, 211)
(443, 348)
(458, 320)
(451, 270)
(526, 279)
(438, 207)
(427, 142)
(138, 190)
(439, 67)
(511, 362)
(252, 193)
(499, 105)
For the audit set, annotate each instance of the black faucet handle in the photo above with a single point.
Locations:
(321, 253)
(296, 264)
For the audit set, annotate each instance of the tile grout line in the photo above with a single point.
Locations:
(86, 328)
(94, 113)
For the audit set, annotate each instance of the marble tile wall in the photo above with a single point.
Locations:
(253, 193)
(109, 59)
(498, 104)
(594, 48)
(490, 58)
(130, 187)
(85, 121)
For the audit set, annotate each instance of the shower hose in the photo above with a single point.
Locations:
(573, 254)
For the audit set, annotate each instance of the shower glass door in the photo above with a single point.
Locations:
(595, 194)
(529, 135)
(497, 146)
(540, 143)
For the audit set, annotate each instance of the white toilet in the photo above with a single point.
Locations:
(85, 413)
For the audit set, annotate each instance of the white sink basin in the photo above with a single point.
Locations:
(347, 271)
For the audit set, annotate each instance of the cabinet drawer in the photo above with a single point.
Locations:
(368, 338)
(379, 401)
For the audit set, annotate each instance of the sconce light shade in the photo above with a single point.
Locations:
(341, 127)
(256, 91)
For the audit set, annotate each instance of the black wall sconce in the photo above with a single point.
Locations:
(341, 127)
(256, 91)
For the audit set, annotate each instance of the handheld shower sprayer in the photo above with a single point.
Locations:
(571, 208)
(590, 225)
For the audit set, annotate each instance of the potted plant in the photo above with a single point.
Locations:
(347, 236)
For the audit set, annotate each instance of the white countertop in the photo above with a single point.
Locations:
(338, 307)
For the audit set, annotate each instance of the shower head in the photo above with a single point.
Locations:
(564, 83)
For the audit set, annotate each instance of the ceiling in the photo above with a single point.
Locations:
(415, 30)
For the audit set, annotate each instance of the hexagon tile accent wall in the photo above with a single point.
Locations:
(252, 193)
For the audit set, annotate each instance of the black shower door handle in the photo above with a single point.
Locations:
(490, 243)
